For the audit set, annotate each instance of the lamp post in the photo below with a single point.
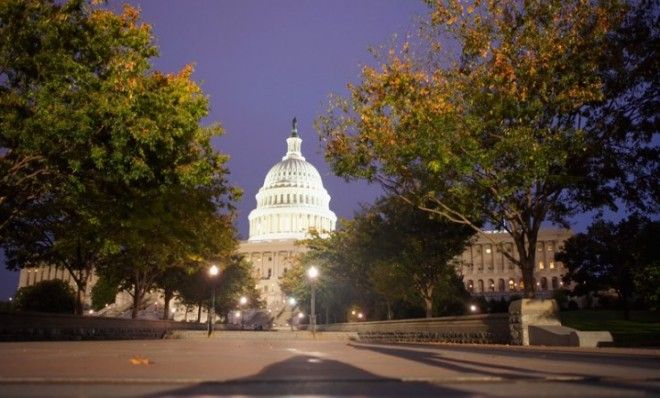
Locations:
(313, 273)
(241, 302)
(213, 272)
(292, 303)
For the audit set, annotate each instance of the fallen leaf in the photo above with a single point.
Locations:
(140, 361)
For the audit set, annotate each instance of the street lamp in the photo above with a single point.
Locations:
(313, 273)
(292, 302)
(241, 302)
(213, 273)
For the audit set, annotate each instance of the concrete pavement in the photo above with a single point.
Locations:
(257, 364)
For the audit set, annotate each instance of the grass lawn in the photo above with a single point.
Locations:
(643, 329)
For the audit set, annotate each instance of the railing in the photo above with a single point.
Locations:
(19, 326)
(487, 328)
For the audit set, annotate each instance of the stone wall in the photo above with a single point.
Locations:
(41, 326)
(480, 329)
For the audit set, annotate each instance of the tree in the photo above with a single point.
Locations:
(174, 230)
(54, 296)
(416, 244)
(171, 279)
(625, 122)
(495, 134)
(395, 251)
(235, 280)
(104, 292)
(613, 256)
(91, 136)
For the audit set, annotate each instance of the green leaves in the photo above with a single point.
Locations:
(105, 157)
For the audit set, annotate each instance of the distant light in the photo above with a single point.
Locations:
(353, 312)
(360, 315)
(313, 272)
(91, 311)
(173, 310)
(292, 301)
(473, 308)
(237, 313)
(214, 270)
(243, 300)
(488, 251)
(11, 299)
(301, 315)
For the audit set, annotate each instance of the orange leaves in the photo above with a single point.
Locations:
(138, 360)
(130, 13)
(186, 71)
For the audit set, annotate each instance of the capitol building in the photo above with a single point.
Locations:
(291, 202)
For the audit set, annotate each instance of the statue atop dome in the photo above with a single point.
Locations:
(294, 127)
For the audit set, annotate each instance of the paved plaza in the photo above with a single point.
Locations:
(273, 364)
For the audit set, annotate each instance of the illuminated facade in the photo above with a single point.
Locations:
(291, 202)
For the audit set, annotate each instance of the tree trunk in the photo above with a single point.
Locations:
(168, 293)
(79, 306)
(428, 304)
(137, 299)
(626, 305)
(389, 310)
(526, 247)
(427, 295)
(527, 270)
(199, 311)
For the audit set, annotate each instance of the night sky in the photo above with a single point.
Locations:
(263, 62)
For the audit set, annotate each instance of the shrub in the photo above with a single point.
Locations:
(55, 296)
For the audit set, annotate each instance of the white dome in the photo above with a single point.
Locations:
(292, 200)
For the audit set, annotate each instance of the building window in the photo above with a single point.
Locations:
(491, 285)
(501, 286)
(551, 264)
(512, 285)
(544, 283)
(541, 265)
(270, 273)
(470, 286)
(480, 285)
(555, 283)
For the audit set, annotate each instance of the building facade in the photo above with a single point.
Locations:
(291, 202)
(488, 272)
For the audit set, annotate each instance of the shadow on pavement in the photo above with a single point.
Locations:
(435, 358)
(307, 375)
(626, 359)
